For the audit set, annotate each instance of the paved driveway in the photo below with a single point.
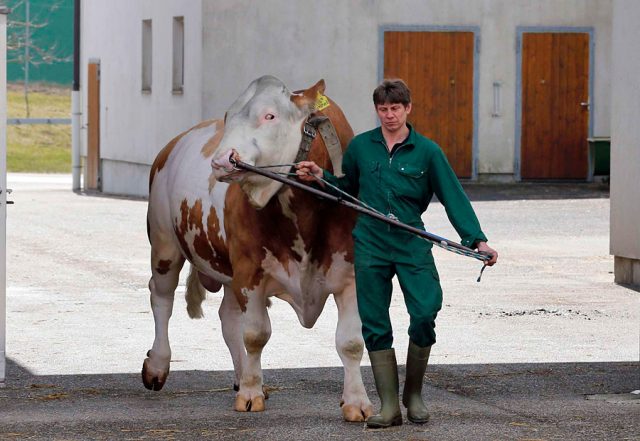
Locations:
(517, 356)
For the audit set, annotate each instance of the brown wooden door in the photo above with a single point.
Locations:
(555, 109)
(93, 128)
(438, 68)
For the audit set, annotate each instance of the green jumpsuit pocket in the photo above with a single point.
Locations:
(410, 170)
(411, 183)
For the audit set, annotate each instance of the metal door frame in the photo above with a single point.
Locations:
(520, 31)
(475, 30)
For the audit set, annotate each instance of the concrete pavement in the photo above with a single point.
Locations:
(545, 347)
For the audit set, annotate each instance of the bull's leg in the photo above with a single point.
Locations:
(166, 263)
(256, 334)
(231, 318)
(350, 345)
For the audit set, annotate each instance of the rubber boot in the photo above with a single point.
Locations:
(417, 359)
(385, 372)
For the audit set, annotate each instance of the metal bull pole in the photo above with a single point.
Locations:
(436, 240)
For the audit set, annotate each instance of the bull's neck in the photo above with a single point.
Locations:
(301, 207)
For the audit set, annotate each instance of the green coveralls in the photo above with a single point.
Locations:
(400, 184)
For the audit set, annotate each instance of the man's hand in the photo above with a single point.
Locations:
(482, 247)
(308, 171)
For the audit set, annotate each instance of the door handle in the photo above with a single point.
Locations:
(586, 104)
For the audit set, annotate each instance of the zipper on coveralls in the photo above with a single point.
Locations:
(389, 213)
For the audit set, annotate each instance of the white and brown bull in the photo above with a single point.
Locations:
(252, 236)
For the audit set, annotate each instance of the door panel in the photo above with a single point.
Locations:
(438, 68)
(555, 116)
(93, 128)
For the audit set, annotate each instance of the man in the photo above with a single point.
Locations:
(396, 171)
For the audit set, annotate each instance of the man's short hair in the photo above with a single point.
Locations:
(392, 91)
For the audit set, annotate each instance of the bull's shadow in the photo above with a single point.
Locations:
(488, 401)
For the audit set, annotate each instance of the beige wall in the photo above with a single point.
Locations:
(231, 42)
(338, 40)
(625, 146)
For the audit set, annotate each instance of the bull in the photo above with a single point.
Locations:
(253, 237)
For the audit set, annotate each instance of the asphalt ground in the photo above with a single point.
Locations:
(546, 347)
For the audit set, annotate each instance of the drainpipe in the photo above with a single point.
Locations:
(76, 113)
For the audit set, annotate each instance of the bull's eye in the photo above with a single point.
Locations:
(269, 116)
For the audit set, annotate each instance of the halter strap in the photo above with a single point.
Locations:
(322, 124)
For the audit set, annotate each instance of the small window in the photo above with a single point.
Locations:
(178, 54)
(147, 58)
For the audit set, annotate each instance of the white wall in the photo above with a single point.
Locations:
(231, 42)
(3, 187)
(136, 125)
(338, 40)
(625, 146)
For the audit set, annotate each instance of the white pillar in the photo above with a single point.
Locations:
(3, 188)
(625, 151)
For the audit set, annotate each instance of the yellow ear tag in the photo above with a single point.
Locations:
(322, 102)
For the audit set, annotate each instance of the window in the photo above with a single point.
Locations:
(178, 54)
(147, 58)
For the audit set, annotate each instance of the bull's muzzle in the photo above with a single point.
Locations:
(224, 168)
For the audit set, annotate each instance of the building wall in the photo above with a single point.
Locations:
(337, 40)
(232, 42)
(625, 142)
(135, 125)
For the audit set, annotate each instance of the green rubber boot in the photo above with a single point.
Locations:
(385, 372)
(417, 360)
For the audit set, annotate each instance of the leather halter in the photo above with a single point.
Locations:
(321, 123)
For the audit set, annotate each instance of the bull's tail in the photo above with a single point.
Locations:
(194, 294)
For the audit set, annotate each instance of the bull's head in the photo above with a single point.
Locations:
(263, 127)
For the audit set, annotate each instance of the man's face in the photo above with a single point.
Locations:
(393, 116)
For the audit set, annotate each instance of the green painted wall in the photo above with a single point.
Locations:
(55, 37)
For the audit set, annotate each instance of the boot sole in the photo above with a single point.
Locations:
(395, 422)
(418, 420)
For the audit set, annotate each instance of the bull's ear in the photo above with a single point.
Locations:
(307, 98)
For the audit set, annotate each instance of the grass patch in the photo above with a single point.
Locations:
(42, 148)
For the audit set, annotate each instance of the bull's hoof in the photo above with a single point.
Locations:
(255, 404)
(152, 378)
(355, 414)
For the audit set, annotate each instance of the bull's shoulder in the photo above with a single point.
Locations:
(161, 158)
(212, 144)
(163, 155)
